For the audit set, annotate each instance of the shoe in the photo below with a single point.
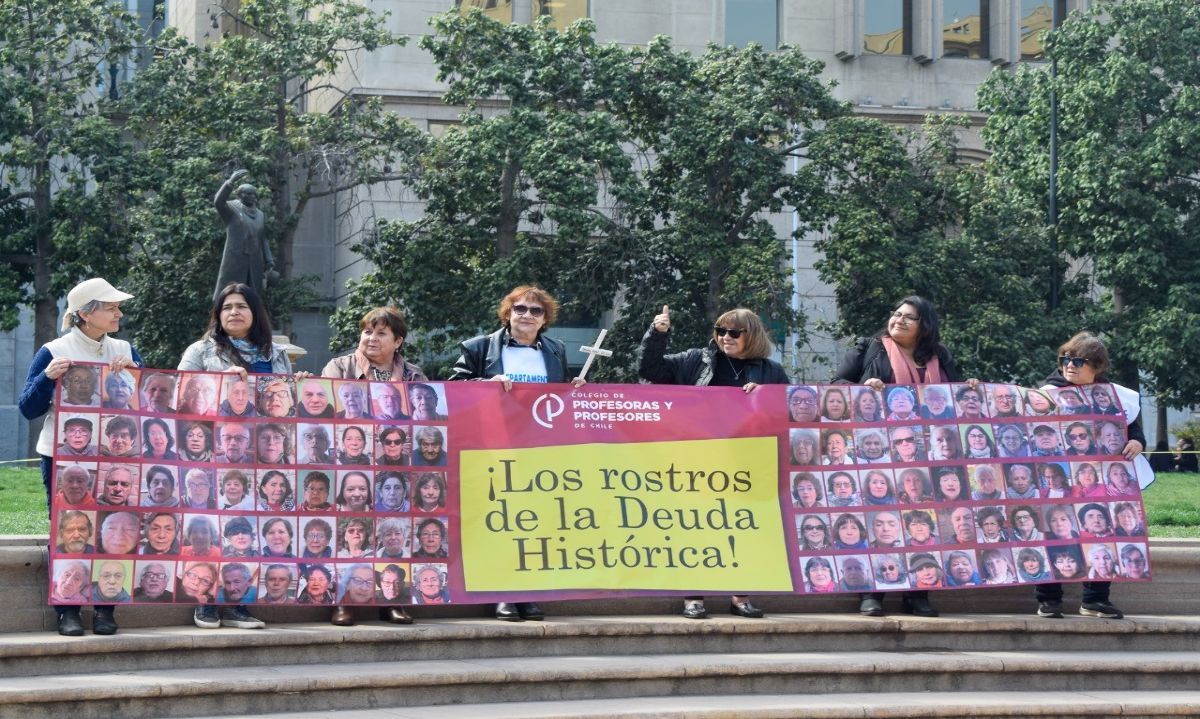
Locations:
(239, 618)
(694, 610)
(530, 611)
(745, 609)
(69, 624)
(205, 616)
(395, 615)
(1050, 609)
(1104, 610)
(870, 607)
(920, 607)
(103, 621)
(342, 617)
(508, 612)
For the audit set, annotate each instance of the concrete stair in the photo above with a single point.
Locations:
(987, 656)
(785, 665)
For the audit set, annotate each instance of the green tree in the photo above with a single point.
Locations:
(1129, 175)
(724, 133)
(620, 179)
(243, 102)
(908, 217)
(512, 196)
(63, 164)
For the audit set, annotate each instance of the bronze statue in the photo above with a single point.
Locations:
(247, 256)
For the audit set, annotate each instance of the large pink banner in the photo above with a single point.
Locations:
(191, 487)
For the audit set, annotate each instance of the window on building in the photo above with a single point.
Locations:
(965, 28)
(562, 12)
(498, 10)
(748, 21)
(888, 27)
(1037, 16)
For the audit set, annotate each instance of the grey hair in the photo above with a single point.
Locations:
(76, 320)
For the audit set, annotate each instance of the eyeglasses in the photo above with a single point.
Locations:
(393, 442)
(154, 576)
(889, 567)
(360, 583)
(733, 334)
(1075, 362)
(906, 319)
(904, 440)
(202, 581)
(812, 527)
(531, 311)
(1078, 435)
(802, 401)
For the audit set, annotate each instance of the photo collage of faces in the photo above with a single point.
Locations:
(948, 485)
(193, 487)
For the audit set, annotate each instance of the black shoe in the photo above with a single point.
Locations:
(508, 612)
(205, 616)
(1050, 609)
(395, 615)
(745, 609)
(103, 621)
(919, 606)
(1104, 610)
(69, 624)
(695, 610)
(342, 617)
(240, 618)
(530, 611)
(870, 607)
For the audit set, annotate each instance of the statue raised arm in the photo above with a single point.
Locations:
(247, 256)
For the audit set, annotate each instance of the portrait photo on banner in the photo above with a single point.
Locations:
(192, 487)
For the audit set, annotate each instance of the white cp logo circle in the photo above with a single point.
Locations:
(546, 408)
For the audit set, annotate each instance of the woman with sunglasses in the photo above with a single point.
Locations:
(1082, 360)
(737, 355)
(906, 351)
(519, 351)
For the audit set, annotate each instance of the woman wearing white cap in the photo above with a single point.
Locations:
(93, 311)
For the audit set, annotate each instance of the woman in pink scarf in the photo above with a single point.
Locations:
(906, 351)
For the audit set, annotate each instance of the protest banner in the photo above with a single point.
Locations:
(205, 488)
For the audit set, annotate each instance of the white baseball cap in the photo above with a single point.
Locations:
(93, 290)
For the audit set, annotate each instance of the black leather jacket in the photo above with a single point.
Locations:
(695, 366)
(481, 357)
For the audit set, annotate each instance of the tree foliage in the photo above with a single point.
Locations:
(1129, 175)
(619, 179)
(201, 111)
(908, 217)
(64, 167)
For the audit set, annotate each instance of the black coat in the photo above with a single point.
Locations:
(695, 366)
(482, 358)
(867, 359)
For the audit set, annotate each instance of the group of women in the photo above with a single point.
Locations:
(239, 340)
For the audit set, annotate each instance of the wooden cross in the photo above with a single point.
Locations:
(592, 352)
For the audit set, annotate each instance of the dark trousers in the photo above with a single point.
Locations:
(878, 596)
(1092, 592)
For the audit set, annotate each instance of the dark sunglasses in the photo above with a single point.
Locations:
(733, 334)
(392, 442)
(905, 440)
(812, 528)
(532, 311)
(1075, 362)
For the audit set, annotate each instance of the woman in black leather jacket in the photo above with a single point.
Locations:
(738, 355)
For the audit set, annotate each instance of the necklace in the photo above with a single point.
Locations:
(737, 374)
(380, 375)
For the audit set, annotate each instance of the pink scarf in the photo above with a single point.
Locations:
(905, 370)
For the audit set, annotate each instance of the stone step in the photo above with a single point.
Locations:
(24, 584)
(886, 705)
(28, 654)
(411, 681)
